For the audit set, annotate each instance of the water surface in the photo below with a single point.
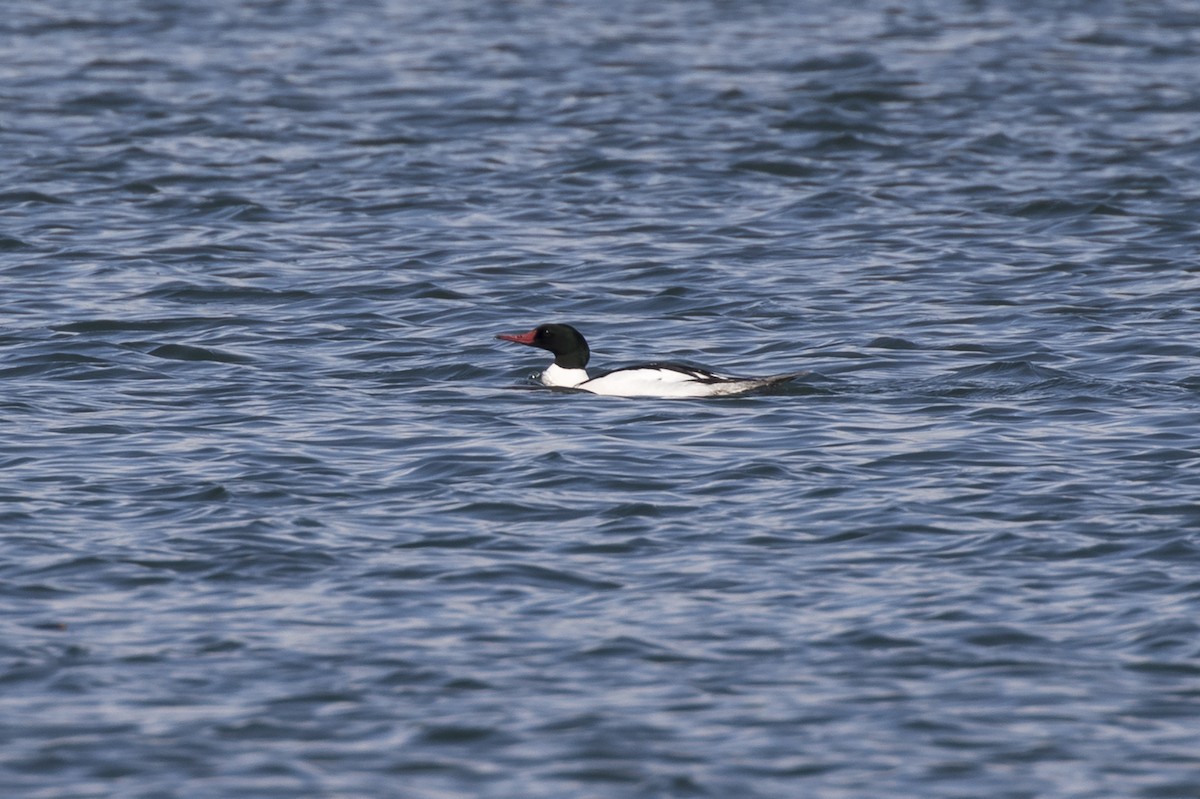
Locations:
(281, 518)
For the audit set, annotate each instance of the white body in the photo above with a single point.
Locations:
(652, 381)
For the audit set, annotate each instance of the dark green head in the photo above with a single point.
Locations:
(568, 345)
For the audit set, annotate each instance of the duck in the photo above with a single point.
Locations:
(657, 379)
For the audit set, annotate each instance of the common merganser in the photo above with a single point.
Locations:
(571, 355)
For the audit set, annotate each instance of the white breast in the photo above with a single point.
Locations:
(559, 377)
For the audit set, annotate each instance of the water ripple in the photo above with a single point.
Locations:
(280, 517)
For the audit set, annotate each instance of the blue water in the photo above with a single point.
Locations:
(280, 518)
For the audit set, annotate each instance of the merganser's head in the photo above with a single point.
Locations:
(568, 345)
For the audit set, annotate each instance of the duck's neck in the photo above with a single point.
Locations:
(556, 375)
